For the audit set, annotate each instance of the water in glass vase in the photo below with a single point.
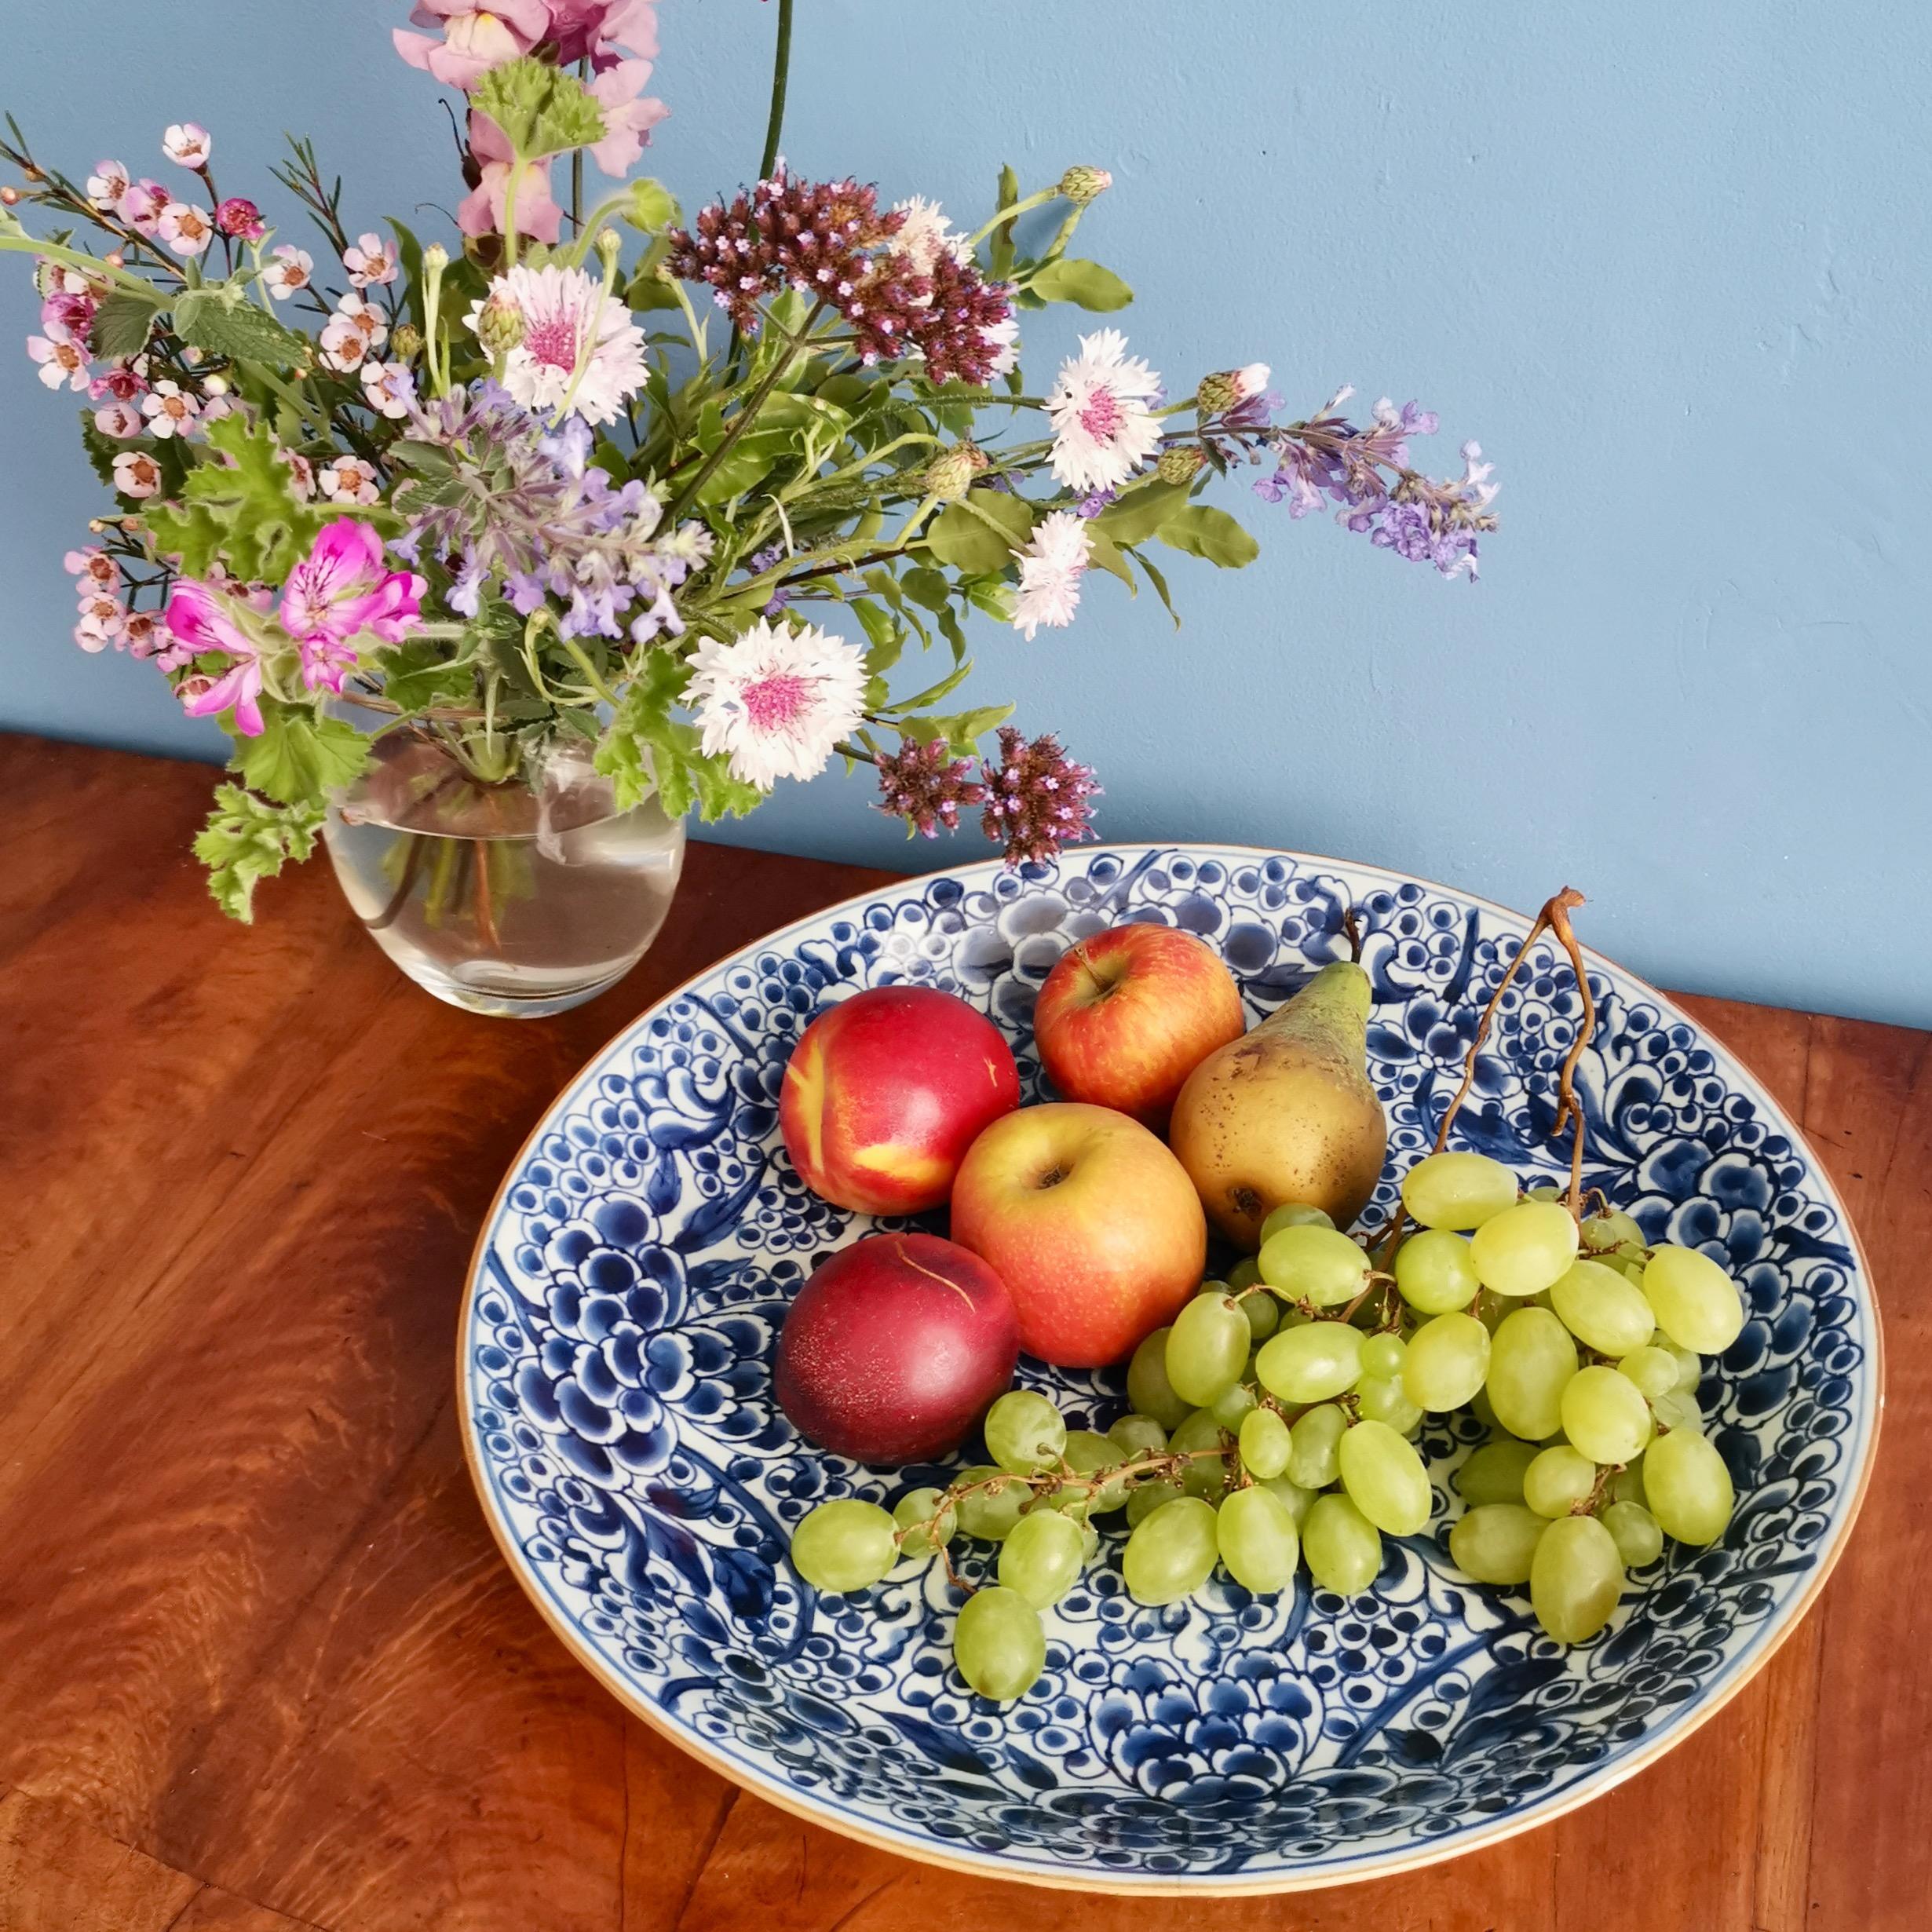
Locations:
(519, 898)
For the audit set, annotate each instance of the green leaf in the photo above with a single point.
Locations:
(1086, 284)
(246, 511)
(417, 673)
(927, 587)
(299, 758)
(1002, 252)
(101, 450)
(1140, 512)
(1202, 531)
(1160, 583)
(645, 749)
(206, 319)
(541, 109)
(960, 536)
(121, 324)
(409, 255)
(245, 840)
(962, 730)
(1104, 554)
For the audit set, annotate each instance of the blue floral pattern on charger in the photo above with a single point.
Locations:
(617, 1384)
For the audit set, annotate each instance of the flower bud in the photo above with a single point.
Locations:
(193, 357)
(499, 325)
(1181, 464)
(239, 217)
(11, 196)
(951, 472)
(214, 386)
(1218, 393)
(1080, 185)
(407, 342)
(435, 257)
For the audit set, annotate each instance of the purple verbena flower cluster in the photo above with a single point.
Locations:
(925, 785)
(1037, 798)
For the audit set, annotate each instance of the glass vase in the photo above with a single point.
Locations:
(517, 898)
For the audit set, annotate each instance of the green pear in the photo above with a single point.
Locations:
(1286, 1113)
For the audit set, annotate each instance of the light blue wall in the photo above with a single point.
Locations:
(1668, 260)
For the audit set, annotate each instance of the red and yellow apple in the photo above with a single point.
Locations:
(894, 1348)
(1125, 1016)
(1093, 1225)
(885, 1093)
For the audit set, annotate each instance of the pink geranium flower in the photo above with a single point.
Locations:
(342, 588)
(481, 211)
(199, 618)
(476, 37)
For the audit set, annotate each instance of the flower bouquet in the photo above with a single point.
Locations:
(497, 555)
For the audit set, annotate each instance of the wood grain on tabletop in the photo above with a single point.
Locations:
(260, 1662)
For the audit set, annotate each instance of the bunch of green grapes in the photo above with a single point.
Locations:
(1273, 1424)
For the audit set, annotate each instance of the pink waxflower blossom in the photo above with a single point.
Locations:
(136, 474)
(388, 389)
(590, 29)
(370, 259)
(99, 573)
(238, 218)
(141, 206)
(74, 313)
(186, 145)
(348, 480)
(124, 380)
(480, 212)
(186, 229)
(169, 411)
(476, 37)
(62, 358)
(108, 184)
(301, 473)
(342, 588)
(201, 619)
(103, 618)
(628, 118)
(288, 270)
(119, 421)
(145, 635)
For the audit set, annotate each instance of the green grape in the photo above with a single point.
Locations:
(1382, 1399)
(1090, 1455)
(1258, 1540)
(1343, 1547)
(1313, 1441)
(1148, 1388)
(1230, 1406)
(1678, 1409)
(1171, 1553)
(1294, 1214)
(1689, 1367)
(926, 1522)
(1479, 1406)
(1494, 1473)
(1089, 1543)
(1639, 1541)
(1385, 1478)
(1295, 1499)
(1024, 1432)
(1381, 1355)
(998, 1644)
(1613, 1229)
(1495, 1542)
(1312, 1363)
(1627, 1484)
(1244, 1274)
(1545, 1191)
(1630, 1266)
(1695, 1303)
(1136, 1435)
(1559, 1477)
(1316, 1264)
(1042, 1558)
(1525, 1249)
(1434, 1272)
(1149, 1496)
(1446, 1361)
(1688, 1487)
(1575, 1578)
(844, 1545)
(1264, 1315)
(1457, 1191)
(987, 1514)
(1530, 1358)
(1206, 1349)
(1204, 1476)
(1653, 1370)
(1264, 1443)
(1604, 1415)
(1603, 1309)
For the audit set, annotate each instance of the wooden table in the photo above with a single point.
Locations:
(260, 1665)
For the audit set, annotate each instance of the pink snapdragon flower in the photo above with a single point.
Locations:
(342, 588)
(199, 620)
(591, 29)
(480, 212)
(628, 116)
(476, 37)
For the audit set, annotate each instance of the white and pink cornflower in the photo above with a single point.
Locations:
(348, 480)
(200, 621)
(1103, 430)
(369, 261)
(388, 389)
(109, 181)
(62, 358)
(186, 229)
(1051, 567)
(578, 342)
(136, 474)
(288, 270)
(188, 145)
(141, 204)
(341, 589)
(776, 699)
(925, 236)
(169, 411)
